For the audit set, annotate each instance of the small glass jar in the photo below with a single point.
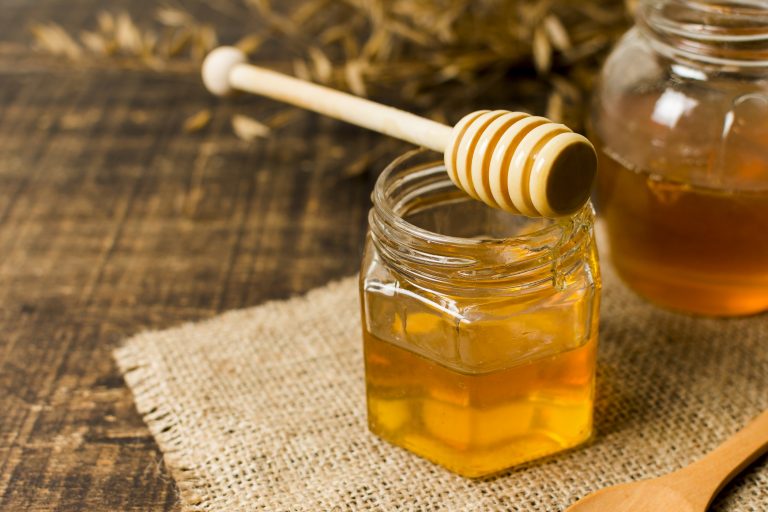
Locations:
(681, 123)
(479, 327)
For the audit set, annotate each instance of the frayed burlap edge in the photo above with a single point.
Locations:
(138, 361)
(670, 388)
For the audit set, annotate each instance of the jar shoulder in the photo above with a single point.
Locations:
(655, 114)
(478, 332)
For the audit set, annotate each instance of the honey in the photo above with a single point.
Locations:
(687, 247)
(479, 326)
(680, 121)
(479, 423)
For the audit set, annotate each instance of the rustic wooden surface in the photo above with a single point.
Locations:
(112, 221)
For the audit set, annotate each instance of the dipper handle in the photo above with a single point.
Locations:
(225, 69)
(512, 161)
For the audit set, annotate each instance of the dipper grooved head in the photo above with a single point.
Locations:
(521, 163)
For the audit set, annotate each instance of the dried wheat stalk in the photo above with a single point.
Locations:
(440, 56)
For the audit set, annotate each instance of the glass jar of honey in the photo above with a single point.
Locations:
(681, 123)
(479, 327)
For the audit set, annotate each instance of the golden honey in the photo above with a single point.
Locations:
(687, 247)
(680, 121)
(479, 423)
(479, 327)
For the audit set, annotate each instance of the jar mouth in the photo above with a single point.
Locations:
(388, 205)
(423, 225)
(726, 32)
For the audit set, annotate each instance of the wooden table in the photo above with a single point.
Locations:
(113, 221)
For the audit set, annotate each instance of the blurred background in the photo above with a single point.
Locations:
(132, 199)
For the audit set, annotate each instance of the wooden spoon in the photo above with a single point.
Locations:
(690, 489)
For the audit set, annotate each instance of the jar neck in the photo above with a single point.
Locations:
(536, 252)
(731, 35)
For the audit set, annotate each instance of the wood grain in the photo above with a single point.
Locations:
(112, 221)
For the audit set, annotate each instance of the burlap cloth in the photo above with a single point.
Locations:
(263, 409)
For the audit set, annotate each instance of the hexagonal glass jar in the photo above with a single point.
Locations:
(479, 327)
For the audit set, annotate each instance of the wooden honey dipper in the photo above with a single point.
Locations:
(508, 160)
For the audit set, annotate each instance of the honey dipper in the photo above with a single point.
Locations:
(508, 160)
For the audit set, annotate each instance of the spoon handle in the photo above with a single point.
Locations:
(715, 470)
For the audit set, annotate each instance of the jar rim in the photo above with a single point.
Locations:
(528, 259)
(385, 209)
(728, 33)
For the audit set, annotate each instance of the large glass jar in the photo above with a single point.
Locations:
(479, 326)
(681, 123)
